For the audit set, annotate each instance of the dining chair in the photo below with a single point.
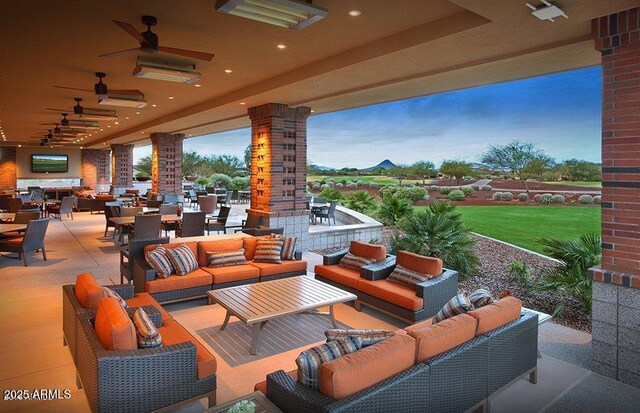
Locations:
(168, 209)
(235, 197)
(252, 221)
(192, 224)
(64, 207)
(14, 204)
(220, 223)
(146, 226)
(111, 209)
(32, 240)
(327, 213)
(21, 217)
(170, 199)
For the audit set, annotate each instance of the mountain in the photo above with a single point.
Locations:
(320, 168)
(386, 164)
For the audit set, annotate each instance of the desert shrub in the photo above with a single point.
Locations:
(546, 199)
(339, 185)
(387, 191)
(323, 186)
(360, 201)
(219, 180)
(486, 188)
(413, 194)
(330, 194)
(585, 199)
(456, 195)
(359, 184)
(468, 191)
(352, 185)
(475, 187)
(497, 196)
(506, 196)
(394, 209)
(316, 185)
(523, 197)
(434, 188)
(445, 191)
(438, 231)
(519, 273)
(374, 185)
(343, 182)
(537, 198)
(557, 199)
(331, 184)
(597, 199)
(240, 183)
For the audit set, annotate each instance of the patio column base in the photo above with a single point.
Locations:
(295, 224)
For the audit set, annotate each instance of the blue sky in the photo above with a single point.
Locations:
(560, 114)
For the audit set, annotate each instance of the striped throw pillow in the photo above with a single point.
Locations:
(407, 277)
(148, 335)
(269, 250)
(110, 293)
(159, 261)
(480, 298)
(182, 259)
(355, 262)
(457, 305)
(368, 336)
(226, 259)
(309, 361)
(288, 247)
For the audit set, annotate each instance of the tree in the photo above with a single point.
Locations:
(143, 167)
(247, 156)
(515, 157)
(191, 161)
(538, 167)
(456, 168)
(360, 201)
(423, 170)
(399, 172)
(393, 209)
(577, 170)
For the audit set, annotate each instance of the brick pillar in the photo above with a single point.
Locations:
(8, 168)
(279, 167)
(96, 169)
(121, 166)
(166, 163)
(616, 287)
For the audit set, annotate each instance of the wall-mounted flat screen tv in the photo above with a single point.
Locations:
(49, 163)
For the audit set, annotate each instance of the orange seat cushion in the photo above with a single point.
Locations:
(419, 263)
(496, 315)
(88, 292)
(268, 268)
(144, 299)
(197, 278)
(262, 386)
(174, 333)
(228, 245)
(400, 295)
(339, 274)
(443, 336)
(362, 249)
(114, 328)
(419, 325)
(354, 372)
(233, 273)
(13, 241)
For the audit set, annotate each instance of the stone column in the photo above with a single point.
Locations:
(279, 167)
(96, 169)
(121, 166)
(166, 163)
(616, 287)
(8, 167)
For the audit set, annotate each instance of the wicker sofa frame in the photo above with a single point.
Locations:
(458, 380)
(435, 292)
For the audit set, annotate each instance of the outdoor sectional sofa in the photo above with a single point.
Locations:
(141, 380)
(453, 368)
(93, 203)
(373, 290)
(197, 283)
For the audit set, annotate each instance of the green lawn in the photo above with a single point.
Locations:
(379, 179)
(523, 225)
(584, 184)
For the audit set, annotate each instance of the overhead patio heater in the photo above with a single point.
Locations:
(289, 14)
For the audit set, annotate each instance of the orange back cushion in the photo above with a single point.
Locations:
(445, 335)
(496, 315)
(250, 245)
(362, 249)
(347, 375)
(228, 245)
(419, 263)
(88, 292)
(114, 328)
(105, 197)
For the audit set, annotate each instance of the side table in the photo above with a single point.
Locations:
(263, 405)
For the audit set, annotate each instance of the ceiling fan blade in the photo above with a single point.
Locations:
(125, 92)
(59, 110)
(187, 53)
(131, 30)
(47, 124)
(119, 52)
(73, 88)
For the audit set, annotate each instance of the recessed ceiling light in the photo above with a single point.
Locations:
(19, 146)
(117, 123)
(127, 118)
(104, 143)
(108, 126)
(281, 46)
(171, 98)
(141, 131)
(137, 113)
(82, 147)
(197, 85)
(355, 13)
(154, 105)
(313, 111)
(101, 130)
(242, 103)
(228, 70)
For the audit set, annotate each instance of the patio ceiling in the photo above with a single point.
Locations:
(396, 49)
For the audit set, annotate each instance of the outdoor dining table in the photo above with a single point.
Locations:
(131, 220)
(150, 210)
(316, 207)
(7, 216)
(11, 227)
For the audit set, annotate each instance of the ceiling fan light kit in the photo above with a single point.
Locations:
(168, 72)
(122, 102)
(289, 14)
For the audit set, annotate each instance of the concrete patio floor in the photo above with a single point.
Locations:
(32, 354)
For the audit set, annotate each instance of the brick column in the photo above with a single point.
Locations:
(166, 163)
(616, 289)
(8, 168)
(279, 167)
(121, 166)
(96, 169)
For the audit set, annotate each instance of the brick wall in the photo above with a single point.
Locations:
(121, 166)
(8, 168)
(166, 163)
(96, 171)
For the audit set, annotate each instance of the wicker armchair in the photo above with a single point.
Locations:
(32, 240)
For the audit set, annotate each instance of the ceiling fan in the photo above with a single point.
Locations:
(149, 42)
(101, 89)
(56, 130)
(77, 110)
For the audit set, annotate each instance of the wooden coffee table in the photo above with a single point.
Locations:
(255, 304)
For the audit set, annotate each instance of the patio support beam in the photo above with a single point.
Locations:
(616, 287)
(166, 163)
(279, 167)
(8, 167)
(121, 166)
(96, 171)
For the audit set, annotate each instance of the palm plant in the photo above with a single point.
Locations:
(360, 201)
(438, 231)
(393, 209)
(570, 278)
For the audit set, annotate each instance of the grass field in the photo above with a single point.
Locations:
(379, 179)
(522, 226)
(585, 184)
(49, 163)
